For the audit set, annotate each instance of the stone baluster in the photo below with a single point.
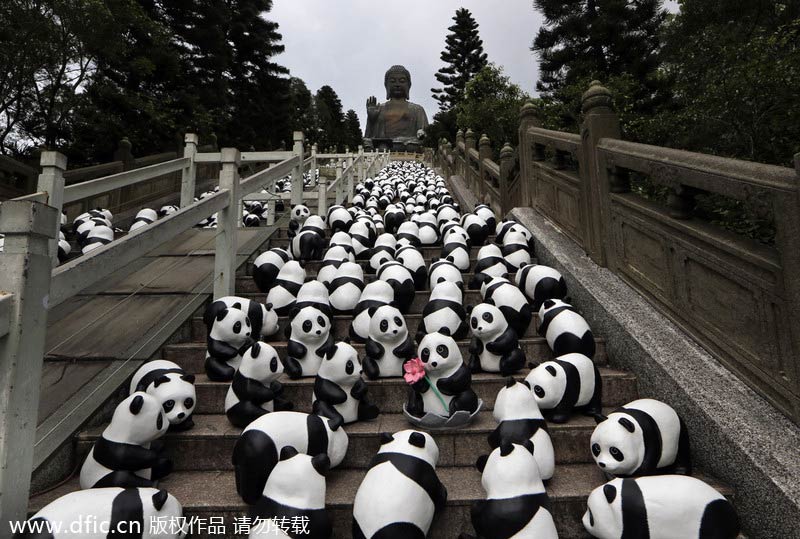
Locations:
(189, 173)
(51, 181)
(484, 153)
(228, 220)
(297, 172)
(506, 177)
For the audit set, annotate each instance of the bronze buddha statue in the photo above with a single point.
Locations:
(398, 123)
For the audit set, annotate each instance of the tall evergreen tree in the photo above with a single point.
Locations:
(329, 118)
(352, 129)
(464, 57)
(302, 110)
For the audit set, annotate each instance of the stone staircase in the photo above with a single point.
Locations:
(203, 479)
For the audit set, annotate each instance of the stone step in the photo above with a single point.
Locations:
(245, 285)
(191, 355)
(209, 444)
(390, 394)
(313, 266)
(207, 494)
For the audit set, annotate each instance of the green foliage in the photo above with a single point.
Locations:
(352, 130)
(464, 57)
(329, 119)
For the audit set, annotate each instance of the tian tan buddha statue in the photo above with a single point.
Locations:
(397, 124)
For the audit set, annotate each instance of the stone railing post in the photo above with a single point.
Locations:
(349, 185)
(528, 117)
(124, 153)
(227, 224)
(189, 173)
(484, 152)
(339, 182)
(362, 171)
(787, 227)
(297, 173)
(599, 121)
(506, 177)
(459, 157)
(470, 143)
(51, 181)
(322, 186)
(25, 270)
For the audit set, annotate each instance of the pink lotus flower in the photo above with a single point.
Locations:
(414, 370)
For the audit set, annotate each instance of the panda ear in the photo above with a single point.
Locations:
(294, 312)
(331, 351)
(386, 438)
(288, 452)
(221, 315)
(548, 303)
(444, 331)
(372, 310)
(188, 378)
(159, 499)
(160, 380)
(610, 492)
(136, 405)
(625, 422)
(321, 463)
(268, 306)
(255, 350)
(551, 370)
(599, 418)
(417, 439)
(527, 444)
(480, 464)
(468, 308)
(489, 301)
(510, 381)
(237, 305)
(506, 449)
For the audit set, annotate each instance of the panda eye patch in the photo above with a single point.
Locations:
(425, 355)
(617, 454)
(398, 321)
(474, 322)
(188, 403)
(169, 405)
(273, 364)
(237, 327)
(321, 321)
(488, 317)
(595, 449)
(442, 350)
(307, 326)
(384, 325)
(539, 391)
(349, 367)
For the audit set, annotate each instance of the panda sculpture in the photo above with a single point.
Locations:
(565, 384)
(519, 420)
(400, 493)
(516, 503)
(263, 319)
(256, 451)
(297, 217)
(143, 218)
(122, 456)
(428, 229)
(412, 259)
(565, 330)
(346, 287)
(382, 251)
(340, 393)
(362, 236)
(267, 266)
(660, 507)
(540, 283)
(309, 242)
(283, 294)
(490, 263)
(477, 229)
(389, 344)
(455, 248)
(509, 225)
(339, 219)
(516, 249)
(293, 493)
(444, 310)
(503, 294)
(64, 248)
(495, 344)
(331, 260)
(375, 294)
(255, 389)
(485, 212)
(309, 339)
(251, 220)
(228, 338)
(313, 294)
(116, 508)
(445, 369)
(644, 437)
(401, 281)
(172, 387)
(408, 234)
(393, 217)
(444, 270)
(343, 240)
(97, 237)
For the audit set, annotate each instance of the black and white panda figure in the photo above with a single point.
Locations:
(346, 287)
(520, 420)
(340, 393)
(428, 229)
(143, 218)
(294, 492)
(402, 281)
(382, 252)
(297, 217)
(540, 283)
(660, 507)
(495, 344)
(566, 384)
(566, 331)
(343, 240)
(309, 339)
(362, 238)
(263, 320)
(507, 297)
(644, 437)
(444, 310)
(228, 338)
(375, 294)
(400, 494)
(257, 449)
(446, 370)
(97, 237)
(456, 249)
(516, 250)
(267, 266)
(251, 220)
(476, 228)
(445, 213)
(393, 217)
(389, 344)
(444, 270)
(313, 294)
(408, 234)
(490, 263)
(412, 259)
(255, 389)
(333, 258)
(122, 456)
(485, 212)
(169, 209)
(116, 508)
(64, 248)
(508, 225)
(516, 504)
(172, 387)
(283, 294)
(309, 242)
(339, 219)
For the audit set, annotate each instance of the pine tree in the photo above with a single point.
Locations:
(302, 110)
(464, 57)
(329, 118)
(352, 129)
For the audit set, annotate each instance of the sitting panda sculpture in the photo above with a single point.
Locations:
(267, 266)
(413, 261)
(255, 389)
(283, 294)
(660, 507)
(540, 283)
(123, 456)
(568, 383)
(402, 281)
(498, 291)
(644, 437)
(444, 270)
(516, 504)
(309, 339)
(116, 508)
(339, 219)
(495, 344)
(490, 263)
(172, 387)
(297, 217)
(445, 309)
(256, 452)
(375, 294)
(400, 493)
(309, 242)
(389, 344)
(566, 331)
(228, 338)
(340, 393)
(346, 287)
(263, 319)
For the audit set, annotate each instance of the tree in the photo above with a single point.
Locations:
(464, 57)
(329, 118)
(302, 109)
(352, 129)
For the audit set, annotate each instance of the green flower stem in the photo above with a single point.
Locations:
(441, 399)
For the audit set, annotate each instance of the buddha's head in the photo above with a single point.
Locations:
(397, 82)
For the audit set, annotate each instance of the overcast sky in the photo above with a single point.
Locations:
(349, 44)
